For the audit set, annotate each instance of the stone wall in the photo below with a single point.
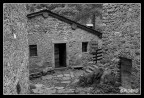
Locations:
(121, 36)
(46, 32)
(15, 50)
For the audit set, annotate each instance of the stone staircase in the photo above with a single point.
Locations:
(97, 56)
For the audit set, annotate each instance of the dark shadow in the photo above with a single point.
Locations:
(60, 55)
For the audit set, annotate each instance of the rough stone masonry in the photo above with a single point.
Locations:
(15, 50)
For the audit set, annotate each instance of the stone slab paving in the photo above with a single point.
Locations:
(66, 78)
(65, 81)
(62, 82)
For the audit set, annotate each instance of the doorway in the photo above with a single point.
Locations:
(126, 65)
(60, 55)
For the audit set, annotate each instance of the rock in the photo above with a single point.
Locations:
(71, 74)
(69, 91)
(49, 88)
(38, 90)
(75, 81)
(66, 78)
(66, 75)
(47, 77)
(82, 92)
(65, 81)
(60, 75)
(89, 89)
(39, 85)
(51, 91)
(45, 70)
(32, 86)
(59, 87)
(106, 72)
(35, 90)
(60, 90)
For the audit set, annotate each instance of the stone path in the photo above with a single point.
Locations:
(61, 82)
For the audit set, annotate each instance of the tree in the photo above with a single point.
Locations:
(87, 11)
(77, 12)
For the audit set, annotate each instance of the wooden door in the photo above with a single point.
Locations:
(56, 54)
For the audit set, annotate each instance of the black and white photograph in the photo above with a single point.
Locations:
(71, 48)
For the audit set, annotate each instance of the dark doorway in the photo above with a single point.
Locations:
(125, 66)
(60, 55)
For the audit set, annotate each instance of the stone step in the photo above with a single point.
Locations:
(88, 71)
(96, 67)
(91, 68)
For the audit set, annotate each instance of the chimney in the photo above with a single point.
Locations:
(90, 25)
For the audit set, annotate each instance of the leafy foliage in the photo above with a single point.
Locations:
(90, 79)
(105, 89)
(76, 12)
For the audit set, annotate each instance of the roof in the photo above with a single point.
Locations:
(29, 16)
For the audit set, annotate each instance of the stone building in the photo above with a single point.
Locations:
(58, 42)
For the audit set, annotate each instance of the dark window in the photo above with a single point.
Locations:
(84, 46)
(33, 50)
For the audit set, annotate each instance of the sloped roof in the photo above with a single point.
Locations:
(29, 16)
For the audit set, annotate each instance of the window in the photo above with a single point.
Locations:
(84, 46)
(33, 50)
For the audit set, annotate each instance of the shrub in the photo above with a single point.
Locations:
(105, 89)
(108, 86)
(90, 79)
(110, 79)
